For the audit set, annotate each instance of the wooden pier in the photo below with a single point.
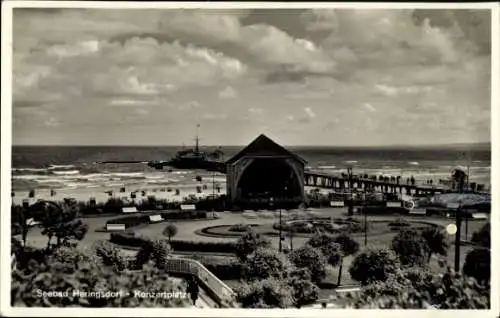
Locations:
(343, 183)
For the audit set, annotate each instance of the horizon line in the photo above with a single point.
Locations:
(456, 144)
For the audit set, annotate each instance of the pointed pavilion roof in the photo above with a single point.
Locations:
(264, 146)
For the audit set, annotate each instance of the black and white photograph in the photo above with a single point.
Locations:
(228, 157)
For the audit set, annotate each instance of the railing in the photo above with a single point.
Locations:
(189, 266)
(217, 289)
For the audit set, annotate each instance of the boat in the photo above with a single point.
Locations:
(187, 159)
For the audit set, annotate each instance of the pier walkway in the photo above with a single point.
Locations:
(340, 183)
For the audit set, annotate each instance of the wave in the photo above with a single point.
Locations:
(351, 161)
(327, 167)
(413, 163)
(69, 172)
(29, 169)
(53, 167)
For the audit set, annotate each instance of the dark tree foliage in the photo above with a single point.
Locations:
(411, 248)
(436, 241)
(249, 243)
(478, 265)
(59, 221)
(267, 293)
(265, 263)
(156, 251)
(327, 245)
(70, 270)
(110, 255)
(414, 288)
(311, 259)
(170, 231)
(303, 290)
(19, 221)
(483, 236)
(374, 265)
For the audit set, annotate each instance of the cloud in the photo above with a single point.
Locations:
(212, 117)
(74, 64)
(228, 93)
(369, 107)
(309, 112)
(256, 111)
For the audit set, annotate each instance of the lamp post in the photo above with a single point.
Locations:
(458, 223)
(350, 209)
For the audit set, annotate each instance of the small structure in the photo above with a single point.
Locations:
(263, 175)
(129, 209)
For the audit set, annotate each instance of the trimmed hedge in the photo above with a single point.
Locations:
(225, 269)
(138, 219)
(131, 240)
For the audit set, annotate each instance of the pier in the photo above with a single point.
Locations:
(341, 183)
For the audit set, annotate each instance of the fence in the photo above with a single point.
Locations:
(217, 289)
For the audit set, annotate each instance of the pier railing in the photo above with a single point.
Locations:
(221, 293)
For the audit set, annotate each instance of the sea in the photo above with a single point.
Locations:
(73, 171)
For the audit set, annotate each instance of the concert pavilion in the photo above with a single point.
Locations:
(265, 175)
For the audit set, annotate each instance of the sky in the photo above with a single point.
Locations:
(333, 77)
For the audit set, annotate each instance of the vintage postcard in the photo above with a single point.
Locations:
(249, 159)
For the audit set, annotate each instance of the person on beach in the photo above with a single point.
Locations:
(193, 290)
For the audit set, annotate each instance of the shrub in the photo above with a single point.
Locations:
(268, 293)
(411, 248)
(131, 240)
(416, 289)
(223, 268)
(265, 263)
(110, 255)
(483, 236)
(478, 265)
(239, 228)
(249, 243)
(303, 291)
(311, 259)
(374, 265)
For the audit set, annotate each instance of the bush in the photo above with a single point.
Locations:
(110, 255)
(374, 265)
(411, 248)
(138, 219)
(416, 289)
(269, 293)
(131, 240)
(478, 265)
(311, 259)
(239, 228)
(249, 243)
(483, 236)
(265, 263)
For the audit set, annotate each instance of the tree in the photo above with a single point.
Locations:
(155, 251)
(110, 255)
(170, 231)
(249, 243)
(478, 265)
(414, 288)
(311, 259)
(303, 290)
(19, 221)
(265, 263)
(268, 293)
(483, 236)
(348, 247)
(374, 265)
(59, 221)
(87, 275)
(411, 248)
(436, 241)
(326, 244)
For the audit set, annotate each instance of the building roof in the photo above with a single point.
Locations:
(264, 146)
